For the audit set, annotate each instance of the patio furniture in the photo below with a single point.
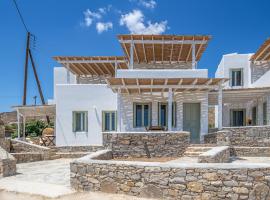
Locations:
(156, 128)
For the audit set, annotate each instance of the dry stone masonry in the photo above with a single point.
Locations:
(171, 180)
(159, 144)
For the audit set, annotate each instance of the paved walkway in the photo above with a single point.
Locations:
(45, 180)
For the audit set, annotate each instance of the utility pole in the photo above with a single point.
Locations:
(35, 100)
(26, 68)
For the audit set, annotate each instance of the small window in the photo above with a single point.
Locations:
(236, 77)
(264, 113)
(163, 114)
(80, 121)
(141, 114)
(109, 120)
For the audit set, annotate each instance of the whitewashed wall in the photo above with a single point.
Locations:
(81, 97)
(234, 61)
(180, 98)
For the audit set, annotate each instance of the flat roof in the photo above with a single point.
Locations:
(92, 65)
(164, 48)
(263, 53)
(144, 85)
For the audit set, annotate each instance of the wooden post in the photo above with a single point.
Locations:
(193, 56)
(220, 107)
(119, 110)
(18, 124)
(131, 62)
(26, 69)
(170, 97)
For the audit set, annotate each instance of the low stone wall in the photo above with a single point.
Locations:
(172, 180)
(219, 154)
(18, 146)
(159, 144)
(210, 138)
(78, 148)
(255, 136)
(5, 144)
(250, 151)
(28, 157)
(7, 164)
(26, 152)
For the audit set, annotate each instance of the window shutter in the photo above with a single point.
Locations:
(73, 121)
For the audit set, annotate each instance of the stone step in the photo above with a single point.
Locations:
(198, 149)
(192, 154)
(202, 145)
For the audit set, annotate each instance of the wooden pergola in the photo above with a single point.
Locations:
(242, 95)
(25, 112)
(150, 85)
(161, 85)
(163, 48)
(263, 53)
(93, 65)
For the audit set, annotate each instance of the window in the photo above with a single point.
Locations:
(80, 121)
(109, 120)
(236, 77)
(141, 114)
(238, 117)
(264, 113)
(163, 114)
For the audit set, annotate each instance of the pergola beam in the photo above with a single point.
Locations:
(90, 61)
(164, 41)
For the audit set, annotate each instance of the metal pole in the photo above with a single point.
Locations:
(26, 69)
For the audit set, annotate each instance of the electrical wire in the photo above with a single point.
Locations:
(21, 17)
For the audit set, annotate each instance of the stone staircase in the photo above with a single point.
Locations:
(194, 150)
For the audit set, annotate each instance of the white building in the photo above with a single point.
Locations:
(156, 85)
(246, 94)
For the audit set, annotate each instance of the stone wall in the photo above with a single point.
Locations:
(255, 136)
(250, 151)
(219, 154)
(18, 146)
(172, 180)
(210, 138)
(78, 148)
(181, 65)
(160, 144)
(7, 164)
(91, 80)
(259, 69)
(28, 157)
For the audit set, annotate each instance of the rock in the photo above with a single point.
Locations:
(260, 191)
(206, 196)
(108, 187)
(93, 180)
(177, 180)
(231, 183)
(240, 190)
(151, 191)
(210, 176)
(195, 186)
(124, 188)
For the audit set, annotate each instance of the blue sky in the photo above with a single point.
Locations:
(89, 28)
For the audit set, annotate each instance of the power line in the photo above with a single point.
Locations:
(21, 17)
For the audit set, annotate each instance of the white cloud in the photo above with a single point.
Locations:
(134, 21)
(91, 16)
(101, 27)
(148, 3)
